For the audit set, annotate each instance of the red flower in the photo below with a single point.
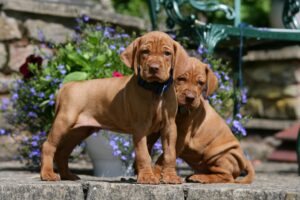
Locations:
(117, 74)
(24, 69)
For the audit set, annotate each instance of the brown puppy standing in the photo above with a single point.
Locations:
(124, 105)
(204, 140)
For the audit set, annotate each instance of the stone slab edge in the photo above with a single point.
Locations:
(56, 9)
(92, 190)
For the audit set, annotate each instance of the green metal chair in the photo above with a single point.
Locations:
(213, 35)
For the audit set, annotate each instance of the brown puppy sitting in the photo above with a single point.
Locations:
(204, 140)
(138, 104)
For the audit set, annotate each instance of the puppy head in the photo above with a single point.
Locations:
(153, 55)
(191, 83)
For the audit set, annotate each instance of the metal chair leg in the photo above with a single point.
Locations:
(298, 150)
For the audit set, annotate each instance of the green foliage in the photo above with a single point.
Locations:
(138, 8)
(248, 8)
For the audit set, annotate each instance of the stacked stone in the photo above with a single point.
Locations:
(273, 79)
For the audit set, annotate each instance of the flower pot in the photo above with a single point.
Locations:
(101, 153)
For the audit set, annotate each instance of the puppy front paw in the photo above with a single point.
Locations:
(157, 171)
(49, 176)
(169, 176)
(147, 178)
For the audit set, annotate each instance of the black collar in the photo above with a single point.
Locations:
(156, 87)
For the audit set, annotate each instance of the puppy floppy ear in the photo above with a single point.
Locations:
(130, 55)
(180, 60)
(211, 81)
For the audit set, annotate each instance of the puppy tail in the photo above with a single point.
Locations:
(250, 174)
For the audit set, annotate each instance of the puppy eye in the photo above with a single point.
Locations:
(145, 52)
(183, 79)
(201, 83)
(167, 53)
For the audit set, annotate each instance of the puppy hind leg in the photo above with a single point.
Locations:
(59, 128)
(215, 175)
(69, 142)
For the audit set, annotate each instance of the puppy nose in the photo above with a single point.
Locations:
(154, 68)
(189, 97)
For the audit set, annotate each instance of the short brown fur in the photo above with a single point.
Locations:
(204, 140)
(120, 104)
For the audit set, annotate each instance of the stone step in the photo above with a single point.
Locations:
(286, 152)
(27, 186)
(270, 124)
(283, 156)
(289, 134)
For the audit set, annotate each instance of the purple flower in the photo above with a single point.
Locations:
(41, 35)
(123, 158)
(78, 20)
(99, 28)
(125, 35)
(133, 154)
(2, 131)
(32, 91)
(51, 102)
(35, 137)
(228, 120)
(41, 95)
(62, 69)
(32, 114)
(77, 28)
(42, 134)
(172, 35)
(113, 144)
(35, 153)
(117, 152)
(218, 75)
(34, 144)
(244, 95)
(126, 144)
(238, 116)
(238, 128)
(85, 18)
(48, 78)
(5, 104)
(179, 161)
(121, 49)
(112, 47)
(106, 33)
(107, 65)
(200, 50)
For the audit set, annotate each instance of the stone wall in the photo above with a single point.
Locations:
(24, 24)
(273, 78)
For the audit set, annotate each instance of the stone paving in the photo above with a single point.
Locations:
(273, 181)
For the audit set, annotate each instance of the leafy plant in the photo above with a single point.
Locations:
(93, 53)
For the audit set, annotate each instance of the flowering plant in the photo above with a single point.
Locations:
(93, 53)
(223, 99)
